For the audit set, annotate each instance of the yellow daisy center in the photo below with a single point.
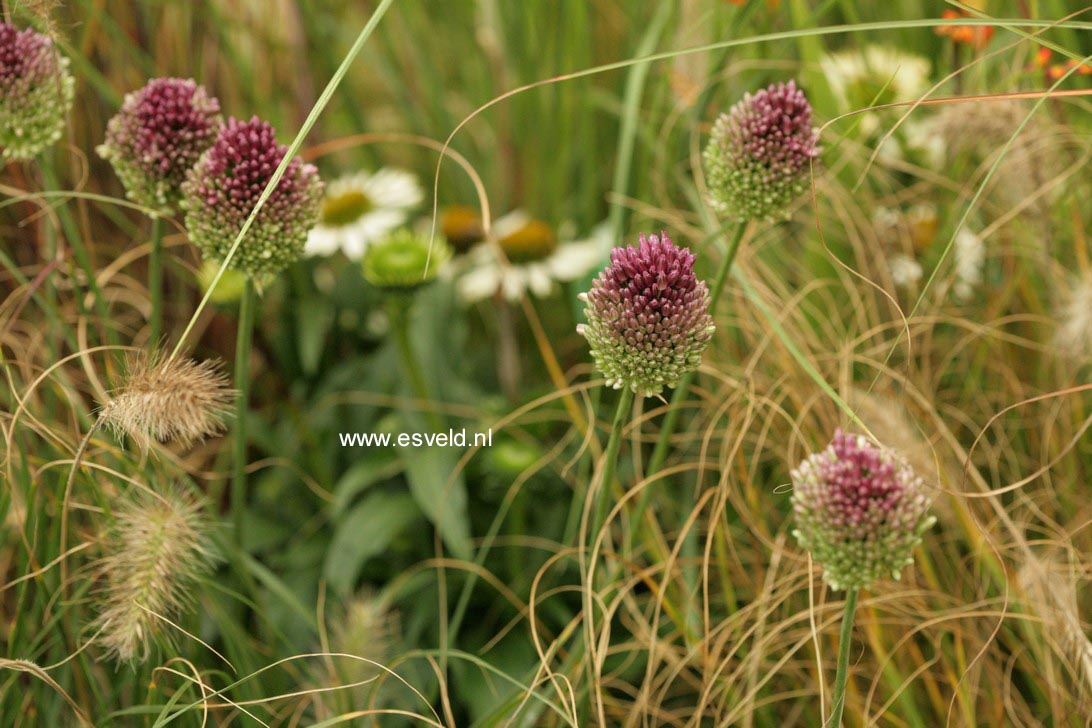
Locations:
(533, 241)
(346, 208)
(462, 226)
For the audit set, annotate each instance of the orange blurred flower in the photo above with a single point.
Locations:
(977, 36)
(1054, 71)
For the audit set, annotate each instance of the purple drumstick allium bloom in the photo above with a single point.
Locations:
(222, 189)
(860, 509)
(758, 157)
(648, 316)
(157, 136)
(36, 92)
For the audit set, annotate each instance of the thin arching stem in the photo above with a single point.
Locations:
(76, 460)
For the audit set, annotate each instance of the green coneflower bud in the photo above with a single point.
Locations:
(759, 153)
(156, 551)
(158, 136)
(222, 189)
(860, 509)
(176, 399)
(648, 316)
(403, 260)
(36, 92)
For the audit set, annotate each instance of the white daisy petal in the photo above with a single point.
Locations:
(394, 188)
(479, 283)
(572, 261)
(514, 282)
(507, 224)
(322, 241)
(538, 280)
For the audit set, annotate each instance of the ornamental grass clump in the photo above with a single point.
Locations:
(36, 92)
(648, 319)
(156, 551)
(759, 154)
(224, 186)
(158, 135)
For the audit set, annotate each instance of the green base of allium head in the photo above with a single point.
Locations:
(648, 316)
(221, 191)
(404, 260)
(758, 156)
(158, 136)
(36, 93)
(860, 510)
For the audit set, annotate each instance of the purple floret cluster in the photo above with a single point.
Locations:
(648, 316)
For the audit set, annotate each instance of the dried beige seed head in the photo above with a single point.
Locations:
(170, 399)
(156, 551)
(367, 629)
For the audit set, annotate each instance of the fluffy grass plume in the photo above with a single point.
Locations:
(155, 551)
(170, 400)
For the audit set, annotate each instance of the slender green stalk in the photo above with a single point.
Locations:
(842, 676)
(398, 310)
(243, 340)
(601, 505)
(155, 282)
(602, 498)
(671, 419)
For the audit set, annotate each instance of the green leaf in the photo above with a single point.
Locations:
(366, 531)
(313, 320)
(441, 497)
(376, 466)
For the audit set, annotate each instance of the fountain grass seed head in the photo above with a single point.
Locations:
(757, 159)
(174, 399)
(224, 186)
(158, 136)
(860, 509)
(648, 316)
(156, 550)
(36, 92)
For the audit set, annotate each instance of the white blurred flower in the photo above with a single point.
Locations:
(361, 208)
(1074, 334)
(873, 76)
(970, 254)
(924, 136)
(905, 271)
(536, 260)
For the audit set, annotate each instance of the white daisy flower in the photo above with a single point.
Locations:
(872, 76)
(361, 208)
(536, 261)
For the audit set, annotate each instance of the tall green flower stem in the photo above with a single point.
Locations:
(243, 341)
(678, 397)
(398, 310)
(606, 480)
(842, 676)
(155, 281)
(601, 505)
